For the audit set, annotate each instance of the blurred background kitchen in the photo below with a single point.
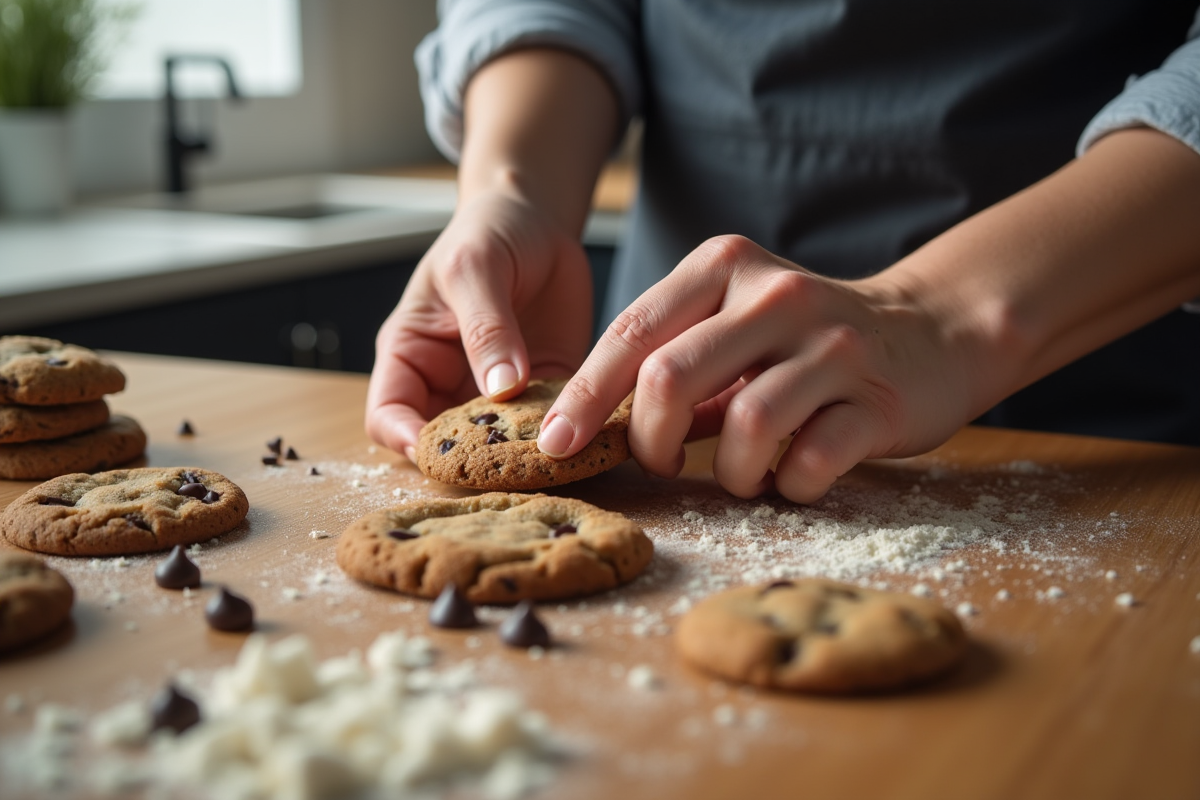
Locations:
(247, 180)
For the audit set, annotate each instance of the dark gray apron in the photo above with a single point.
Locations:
(844, 135)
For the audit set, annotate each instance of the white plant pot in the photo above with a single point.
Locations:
(35, 169)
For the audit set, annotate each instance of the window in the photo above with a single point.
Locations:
(259, 38)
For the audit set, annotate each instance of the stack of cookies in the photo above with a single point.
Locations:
(53, 416)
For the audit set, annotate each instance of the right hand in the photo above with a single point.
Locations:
(504, 294)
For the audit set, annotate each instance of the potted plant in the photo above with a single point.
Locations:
(50, 52)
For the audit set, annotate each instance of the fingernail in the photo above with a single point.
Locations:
(500, 378)
(556, 436)
(410, 453)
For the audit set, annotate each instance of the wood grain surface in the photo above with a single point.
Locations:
(1065, 693)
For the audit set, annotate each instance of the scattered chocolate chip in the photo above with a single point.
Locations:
(292, 455)
(276, 445)
(509, 584)
(177, 571)
(402, 535)
(186, 429)
(270, 461)
(56, 362)
(173, 709)
(522, 628)
(137, 521)
(563, 529)
(787, 650)
(486, 419)
(446, 445)
(56, 501)
(227, 611)
(495, 436)
(210, 497)
(192, 489)
(313, 471)
(452, 609)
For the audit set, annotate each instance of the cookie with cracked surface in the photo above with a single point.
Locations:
(45, 372)
(35, 599)
(817, 635)
(497, 547)
(118, 441)
(492, 445)
(38, 423)
(124, 511)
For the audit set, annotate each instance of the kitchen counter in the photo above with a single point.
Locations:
(1065, 693)
(145, 250)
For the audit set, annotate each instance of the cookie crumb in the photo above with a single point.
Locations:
(319, 534)
(922, 590)
(965, 609)
(643, 678)
(1126, 600)
(725, 715)
(1004, 594)
(1110, 575)
(1194, 646)
(291, 593)
(1055, 592)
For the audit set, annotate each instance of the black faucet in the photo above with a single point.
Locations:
(179, 146)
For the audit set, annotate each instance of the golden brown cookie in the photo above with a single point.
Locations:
(34, 599)
(45, 372)
(124, 511)
(118, 441)
(38, 423)
(816, 635)
(488, 445)
(496, 547)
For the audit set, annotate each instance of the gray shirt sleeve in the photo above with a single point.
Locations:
(471, 32)
(1167, 99)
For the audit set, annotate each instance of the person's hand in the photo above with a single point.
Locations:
(503, 295)
(739, 342)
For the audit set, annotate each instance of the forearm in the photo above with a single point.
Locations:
(1100, 248)
(539, 122)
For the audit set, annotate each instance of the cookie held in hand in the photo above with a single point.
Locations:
(491, 445)
(35, 599)
(496, 548)
(124, 511)
(816, 635)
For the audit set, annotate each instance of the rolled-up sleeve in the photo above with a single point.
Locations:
(1167, 99)
(471, 32)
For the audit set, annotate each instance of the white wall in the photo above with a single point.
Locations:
(359, 108)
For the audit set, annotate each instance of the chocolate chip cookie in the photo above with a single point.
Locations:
(38, 423)
(817, 635)
(45, 372)
(488, 445)
(34, 599)
(495, 547)
(124, 511)
(118, 441)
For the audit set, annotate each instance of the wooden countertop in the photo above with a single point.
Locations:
(1067, 696)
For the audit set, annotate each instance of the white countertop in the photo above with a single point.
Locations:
(139, 251)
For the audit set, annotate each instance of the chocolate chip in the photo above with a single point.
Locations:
(186, 429)
(313, 471)
(177, 571)
(137, 521)
(192, 489)
(495, 436)
(276, 445)
(56, 362)
(56, 501)
(270, 461)
(210, 497)
(173, 709)
(563, 529)
(787, 650)
(227, 611)
(452, 609)
(446, 445)
(522, 628)
(292, 455)
(402, 535)
(486, 419)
